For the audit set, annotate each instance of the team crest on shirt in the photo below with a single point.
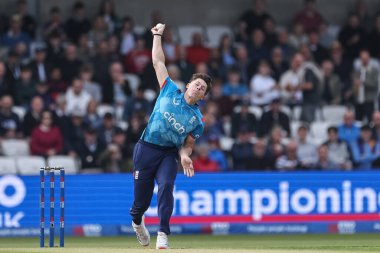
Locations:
(136, 174)
(191, 121)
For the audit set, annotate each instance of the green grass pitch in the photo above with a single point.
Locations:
(207, 244)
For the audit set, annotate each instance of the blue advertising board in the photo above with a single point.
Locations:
(304, 202)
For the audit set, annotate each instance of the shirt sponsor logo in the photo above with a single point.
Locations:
(173, 121)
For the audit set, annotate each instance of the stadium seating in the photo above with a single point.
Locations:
(19, 110)
(30, 165)
(67, 162)
(7, 165)
(15, 147)
(103, 109)
(215, 32)
(318, 131)
(139, 29)
(186, 32)
(333, 113)
(133, 80)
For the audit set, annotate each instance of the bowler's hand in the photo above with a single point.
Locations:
(159, 28)
(187, 165)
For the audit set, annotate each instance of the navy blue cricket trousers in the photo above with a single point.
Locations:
(153, 162)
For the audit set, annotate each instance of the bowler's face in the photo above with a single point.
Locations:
(197, 89)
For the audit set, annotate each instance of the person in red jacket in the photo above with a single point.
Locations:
(46, 139)
(203, 163)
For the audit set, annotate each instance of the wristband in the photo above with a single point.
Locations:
(157, 34)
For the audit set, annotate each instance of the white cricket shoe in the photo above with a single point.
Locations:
(142, 233)
(162, 241)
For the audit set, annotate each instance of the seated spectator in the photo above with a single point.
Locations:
(77, 98)
(216, 154)
(15, 35)
(116, 89)
(318, 51)
(98, 32)
(137, 59)
(212, 126)
(289, 161)
(10, 125)
(348, 131)
(324, 163)
(309, 17)
(89, 85)
(257, 48)
(70, 63)
(255, 17)
(186, 67)
(107, 128)
(278, 64)
(275, 148)
(338, 151)
(242, 151)
(263, 86)
(42, 91)
(29, 24)
(260, 159)
(74, 133)
(136, 126)
(376, 126)
(298, 36)
(33, 116)
(175, 74)
(46, 139)
(215, 65)
(224, 102)
(246, 66)
(92, 117)
(56, 84)
(39, 66)
(331, 93)
(127, 36)
(197, 52)
(243, 121)
(306, 150)
(6, 79)
(274, 117)
(364, 149)
(326, 38)
(226, 50)
(202, 162)
(169, 45)
(25, 88)
(90, 149)
(374, 38)
(78, 23)
(54, 24)
(137, 105)
(233, 88)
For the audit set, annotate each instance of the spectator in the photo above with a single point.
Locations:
(78, 24)
(70, 64)
(338, 155)
(212, 127)
(137, 59)
(216, 67)
(352, 36)
(348, 131)
(290, 82)
(42, 91)
(216, 154)
(116, 90)
(326, 38)
(364, 150)
(263, 86)
(376, 126)
(89, 85)
(29, 24)
(362, 11)
(107, 12)
(257, 48)
(319, 52)
(169, 45)
(90, 149)
(6, 81)
(54, 24)
(136, 126)
(15, 35)
(309, 17)
(127, 36)
(46, 139)
(92, 118)
(25, 88)
(155, 18)
(365, 87)
(101, 64)
(289, 161)
(275, 148)
(269, 29)
(224, 102)
(54, 48)
(33, 116)
(233, 88)
(374, 38)
(56, 84)
(260, 159)
(107, 128)
(77, 98)
(197, 52)
(244, 63)
(242, 151)
(137, 105)
(278, 64)
(202, 162)
(74, 133)
(298, 36)
(324, 163)
(255, 17)
(272, 118)
(113, 44)
(306, 150)
(175, 74)
(40, 68)
(331, 85)
(10, 124)
(86, 48)
(226, 50)
(243, 121)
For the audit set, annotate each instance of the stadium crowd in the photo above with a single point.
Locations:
(68, 87)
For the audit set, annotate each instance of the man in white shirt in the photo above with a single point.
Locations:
(77, 98)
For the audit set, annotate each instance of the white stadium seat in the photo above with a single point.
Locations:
(186, 33)
(333, 113)
(30, 165)
(215, 32)
(15, 147)
(318, 132)
(133, 80)
(7, 165)
(103, 109)
(20, 111)
(67, 162)
(226, 143)
(139, 29)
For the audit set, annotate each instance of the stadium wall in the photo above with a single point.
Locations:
(253, 203)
